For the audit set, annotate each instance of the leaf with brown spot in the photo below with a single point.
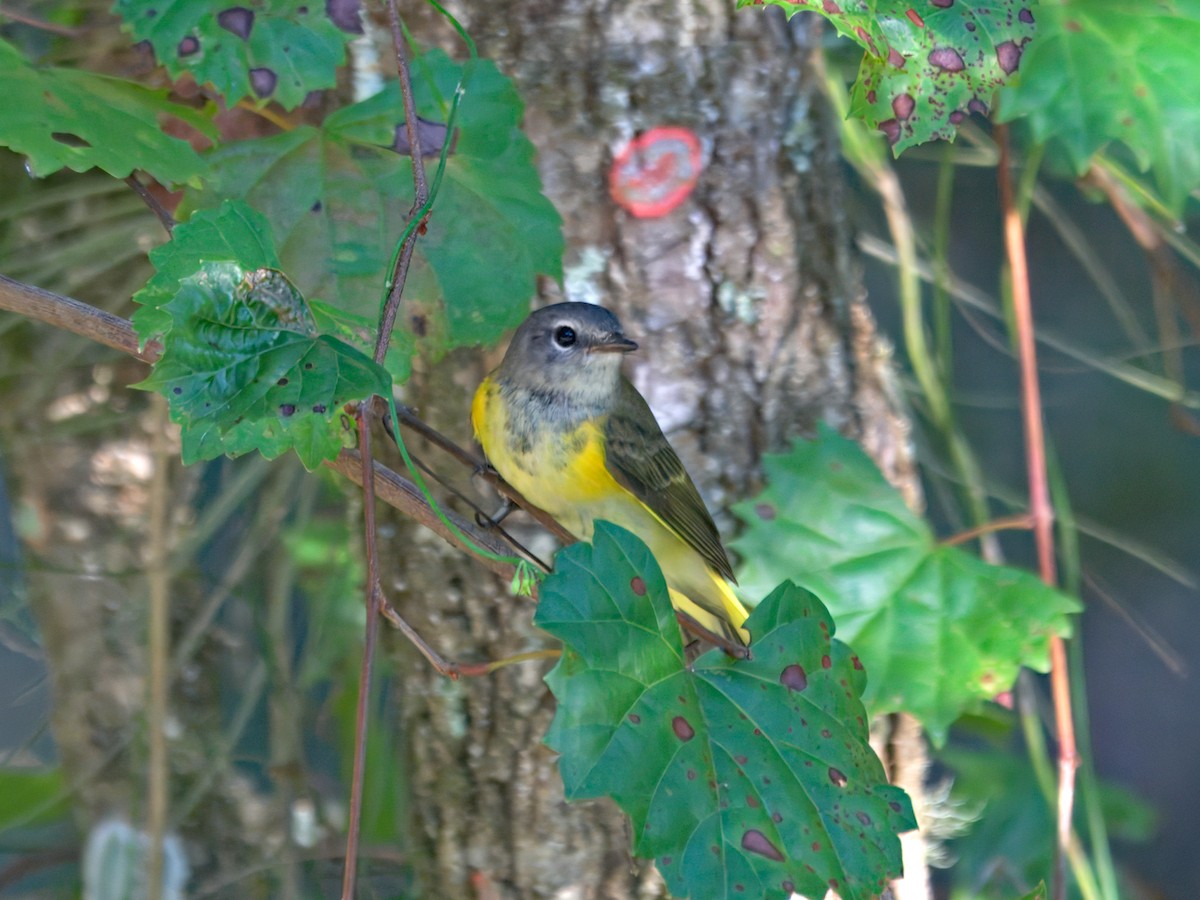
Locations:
(280, 51)
(713, 763)
(934, 64)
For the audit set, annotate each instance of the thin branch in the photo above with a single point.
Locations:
(399, 273)
(267, 114)
(75, 317)
(374, 596)
(167, 220)
(158, 572)
(481, 468)
(421, 187)
(40, 24)
(490, 667)
(481, 516)
(973, 298)
(220, 757)
(225, 884)
(1170, 285)
(1174, 661)
(400, 493)
(448, 667)
(1020, 521)
(395, 290)
(35, 861)
(1039, 500)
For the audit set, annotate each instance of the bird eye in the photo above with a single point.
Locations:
(564, 335)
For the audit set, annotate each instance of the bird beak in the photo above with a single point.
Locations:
(613, 343)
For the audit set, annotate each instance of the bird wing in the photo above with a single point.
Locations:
(640, 459)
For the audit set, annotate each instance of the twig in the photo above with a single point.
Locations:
(1172, 659)
(225, 883)
(267, 114)
(41, 24)
(420, 186)
(1005, 523)
(167, 220)
(220, 757)
(870, 159)
(374, 596)
(972, 297)
(481, 516)
(490, 667)
(395, 290)
(399, 273)
(1039, 500)
(75, 317)
(400, 493)
(1169, 284)
(158, 572)
(481, 468)
(29, 863)
(448, 667)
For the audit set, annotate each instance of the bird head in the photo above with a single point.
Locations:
(572, 347)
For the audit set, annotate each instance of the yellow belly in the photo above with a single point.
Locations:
(565, 474)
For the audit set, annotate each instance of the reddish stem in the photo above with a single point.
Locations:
(364, 417)
(1039, 500)
(350, 872)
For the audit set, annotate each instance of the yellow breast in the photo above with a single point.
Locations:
(561, 471)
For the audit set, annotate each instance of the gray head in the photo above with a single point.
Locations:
(574, 347)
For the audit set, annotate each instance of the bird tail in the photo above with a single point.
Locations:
(725, 620)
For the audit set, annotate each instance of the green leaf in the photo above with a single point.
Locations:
(741, 778)
(359, 332)
(244, 368)
(80, 120)
(926, 66)
(32, 797)
(938, 629)
(1107, 71)
(234, 232)
(279, 50)
(337, 198)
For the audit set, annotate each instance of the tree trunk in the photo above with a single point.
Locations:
(748, 308)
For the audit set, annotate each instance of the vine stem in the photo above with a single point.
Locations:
(399, 273)
(1040, 508)
(158, 642)
(364, 417)
(374, 597)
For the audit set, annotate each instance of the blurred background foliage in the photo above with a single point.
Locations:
(268, 566)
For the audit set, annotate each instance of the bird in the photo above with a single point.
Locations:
(560, 423)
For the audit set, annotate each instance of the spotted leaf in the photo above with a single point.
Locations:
(746, 778)
(243, 368)
(926, 65)
(268, 50)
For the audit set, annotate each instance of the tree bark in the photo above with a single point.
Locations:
(749, 310)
